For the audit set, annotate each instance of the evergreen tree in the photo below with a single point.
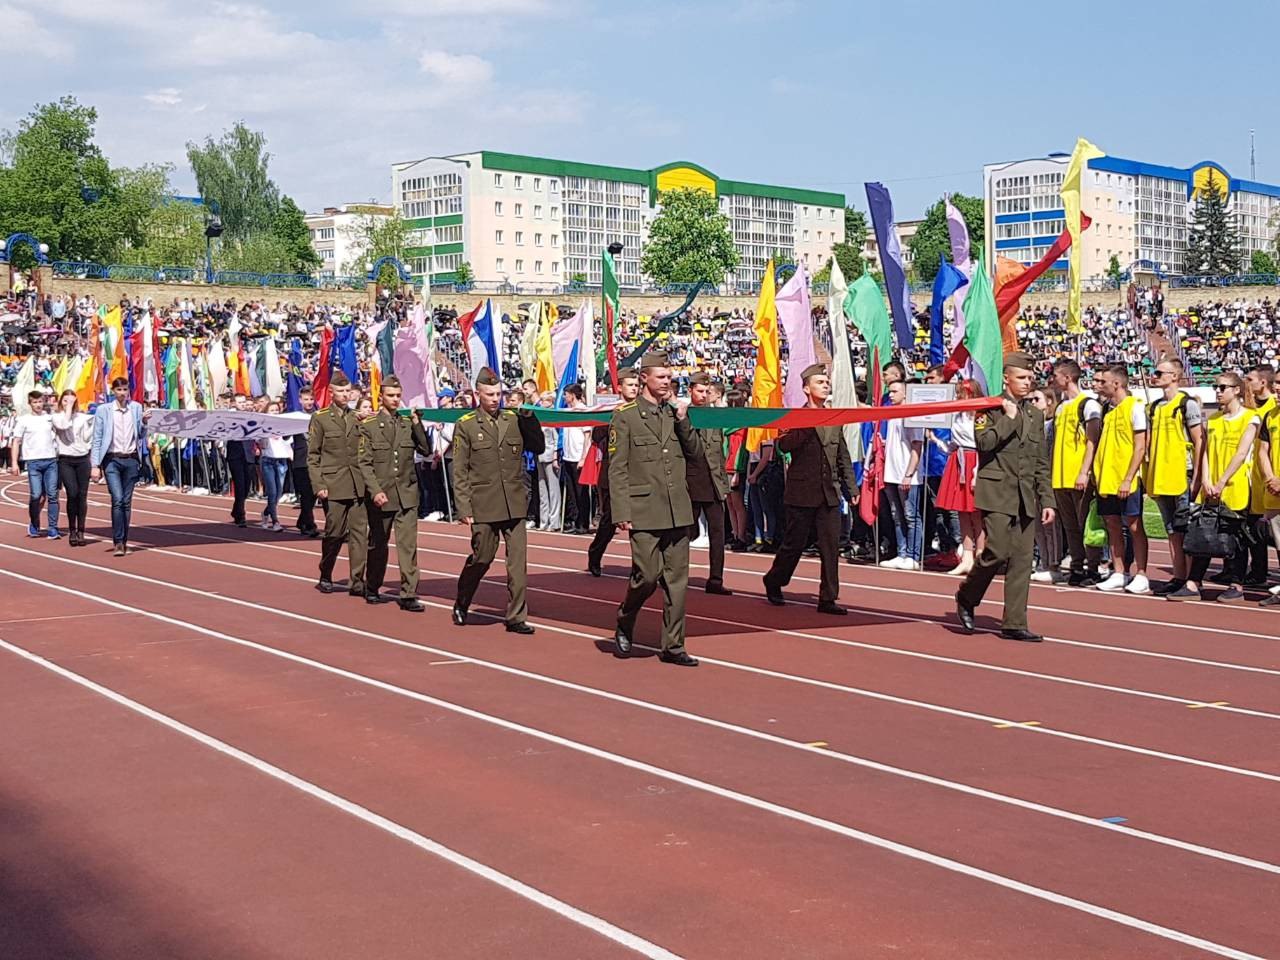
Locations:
(1213, 243)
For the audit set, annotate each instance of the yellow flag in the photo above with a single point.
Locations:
(113, 344)
(766, 387)
(1083, 153)
(60, 376)
(546, 375)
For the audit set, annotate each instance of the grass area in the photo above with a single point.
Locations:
(1151, 520)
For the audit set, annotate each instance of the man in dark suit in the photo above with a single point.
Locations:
(708, 484)
(492, 493)
(820, 466)
(301, 478)
(333, 461)
(1012, 490)
(628, 389)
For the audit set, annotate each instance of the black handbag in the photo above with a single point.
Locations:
(1213, 530)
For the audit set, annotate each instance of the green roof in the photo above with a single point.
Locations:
(518, 163)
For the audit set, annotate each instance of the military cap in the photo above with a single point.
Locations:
(391, 382)
(487, 378)
(654, 359)
(339, 379)
(627, 373)
(1017, 360)
(813, 370)
(701, 378)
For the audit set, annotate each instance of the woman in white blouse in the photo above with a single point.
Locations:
(277, 458)
(73, 433)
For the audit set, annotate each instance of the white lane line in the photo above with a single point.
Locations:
(69, 616)
(1215, 704)
(703, 786)
(590, 921)
(809, 747)
(905, 618)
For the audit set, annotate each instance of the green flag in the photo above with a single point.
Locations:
(609, 313)
(872, 319)
(982, 330)
(171, 363)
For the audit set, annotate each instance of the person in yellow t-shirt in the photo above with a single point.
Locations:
(1269, 462)
(1224, 471)
(1259, 380)
(1171, 474)
(1121, 450)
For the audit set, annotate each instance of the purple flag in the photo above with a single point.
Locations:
(958, 231)
(895, 272)
(796, 320)
(411, 360)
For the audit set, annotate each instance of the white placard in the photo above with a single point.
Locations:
(930, 393)
(226, 424)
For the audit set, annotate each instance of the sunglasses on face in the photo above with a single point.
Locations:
(1224, 386)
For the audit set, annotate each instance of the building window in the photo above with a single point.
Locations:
(537, 212)
(497, 208)
(555, 186)
(519, 238)
(537, 266)
(519, 182)
(519, 209)
(555, 266)
(497, 180)
(555, 239)
(326, 254)
(537, 239)
(519, 266)
(497, 236)
(555, 213)
(497, 265)
(537, 183)
(326, 233)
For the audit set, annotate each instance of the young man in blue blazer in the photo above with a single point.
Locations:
(119, 444)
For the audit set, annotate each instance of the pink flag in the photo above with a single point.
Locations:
(796, 320)
(412, 361)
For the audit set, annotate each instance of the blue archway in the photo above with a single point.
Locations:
(24, 239)
(401, 269)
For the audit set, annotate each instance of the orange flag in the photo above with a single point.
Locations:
(1006, 272)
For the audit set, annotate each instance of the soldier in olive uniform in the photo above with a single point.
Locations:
(492, 494)
(708, 484)
(387, 444)
(820, 466)
(628, 390)
(333, 455)
(1013, 488)
(649, 442)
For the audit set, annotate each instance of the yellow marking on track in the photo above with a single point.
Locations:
(1216, 703)
(817, 743)
(1020, 723)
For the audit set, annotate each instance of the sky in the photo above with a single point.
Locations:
(918, 94)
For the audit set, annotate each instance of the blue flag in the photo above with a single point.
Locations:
(342, 354)
(293, 379)
(947, 282)
(895, 272)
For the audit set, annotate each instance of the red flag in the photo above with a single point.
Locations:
(589, 475)
(872, 480)
(136, 374)
(1009, 294)
(320, 385)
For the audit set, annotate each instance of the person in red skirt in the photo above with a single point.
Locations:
(956, 489)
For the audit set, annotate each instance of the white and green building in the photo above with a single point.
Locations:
(531, 220)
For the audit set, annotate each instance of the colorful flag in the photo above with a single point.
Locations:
(795, 318)
(872, 321)
(482, 338)
(529, 342)
(1080, 157)
(546, 367)
(766, 387)
(186, 380)
(172, 360)
(342, 354)
(1007, 271)
(891, 263)
(272, 382)
(217, 359)
(1008, 295)
(412, 361)
(320, 385)
(982, 331)
(24, 385)
(60, 377)
(609, 313)
(113, 344)
(947, 282)
(293, 379)
(958, 233)
(843, 387)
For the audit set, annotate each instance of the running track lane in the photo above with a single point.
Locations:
(167, 673)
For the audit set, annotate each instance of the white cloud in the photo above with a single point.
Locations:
(436, 8)
(164, 97)
(24, 32)
(456, 69)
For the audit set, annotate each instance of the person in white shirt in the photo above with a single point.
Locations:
(575, 449)
(73, 432)
(277, 457)
(7, 422)
(33, 441)
(902, 450)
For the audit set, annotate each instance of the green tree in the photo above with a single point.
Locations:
(689, 240)
(289, 226)
(1213, 243)
(1114, 270)
(931, 239)
(374, 236)
(173, 236)
(56, 185)
(464, 274)
(1262, 262)
(233, 171)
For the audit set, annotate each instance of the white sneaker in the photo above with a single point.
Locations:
(1042, 576)
(438, 515)
(1138, 584)
(1115, 582)
(907, 564)
(1066, 563)
(1275, 591)
(700, 542)
(528, 524)
(891, 564)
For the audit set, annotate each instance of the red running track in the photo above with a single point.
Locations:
(207, 758)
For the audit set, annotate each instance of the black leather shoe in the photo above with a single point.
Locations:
(357, 593)
(965, 613)
(376, 598)
(621, 642)
(680, 659)
(774, 596)
(719, 589)
(1026, 636)
(325, 585)
(593, 568)
(520, 627)
(459, 615)
(832, 608)
(411, 605)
